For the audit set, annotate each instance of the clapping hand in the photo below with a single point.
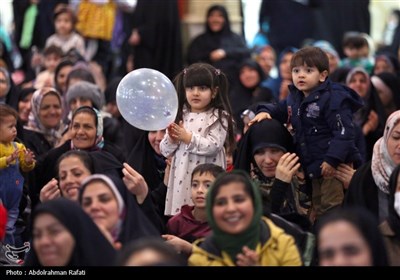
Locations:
(177, 133)
(29, 157)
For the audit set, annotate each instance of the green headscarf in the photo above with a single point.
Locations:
(233, 244)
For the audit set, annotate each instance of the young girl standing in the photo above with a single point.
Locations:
(201, 128)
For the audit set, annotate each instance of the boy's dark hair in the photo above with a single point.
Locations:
(64, 9)
(354, 40)
(204, 74)
(6, 110)
(312, 57)
(52, 49)
(211, 168)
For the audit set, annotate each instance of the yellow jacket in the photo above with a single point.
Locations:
(276, 248)
(6, 150)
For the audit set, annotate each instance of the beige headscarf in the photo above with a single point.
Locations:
(382, 164)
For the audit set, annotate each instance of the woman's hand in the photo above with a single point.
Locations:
(287, 167)
(327, 170)
(50, 191)
(344, 173)
(135, 183)
(248, 257)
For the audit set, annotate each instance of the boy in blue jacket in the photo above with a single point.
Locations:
(319, 114)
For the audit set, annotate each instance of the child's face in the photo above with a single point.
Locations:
(359, 82)
(381, 65)
(8, 129)
(51, 61)
(200, 185)
(351, 53)
(306, 78)
(198, 97)
(229, 159)
(249, 77)
(233, 208)
(63, 24)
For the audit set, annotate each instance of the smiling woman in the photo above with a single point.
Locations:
(87, 135)
(45, 126)
(245, 238)
(63, 235)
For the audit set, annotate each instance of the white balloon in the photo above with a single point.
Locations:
(147, 99)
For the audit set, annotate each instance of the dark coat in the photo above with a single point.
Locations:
(363, 191)
(322, 125)
(160, 45)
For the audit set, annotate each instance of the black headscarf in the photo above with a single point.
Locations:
(367, 226)
(135, 224)
(394, 219)
(152, 169)
(91, 247)
(267, 133)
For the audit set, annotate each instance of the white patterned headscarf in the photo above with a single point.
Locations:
(382, 164)
(121, 204)
(99, 142)
(52, 135)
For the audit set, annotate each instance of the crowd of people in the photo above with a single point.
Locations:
(272, 160)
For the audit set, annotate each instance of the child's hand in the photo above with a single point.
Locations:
(10, 159)
(171, 134)
(287, 166)
(259, 117)
(180, 133)
(135, 183)
(327, 170)
(29, 157)
(248, 257)
(50, 191)
(167, 170)
(180, 245)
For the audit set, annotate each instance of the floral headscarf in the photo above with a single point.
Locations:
(382, 164)
(52, 135)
